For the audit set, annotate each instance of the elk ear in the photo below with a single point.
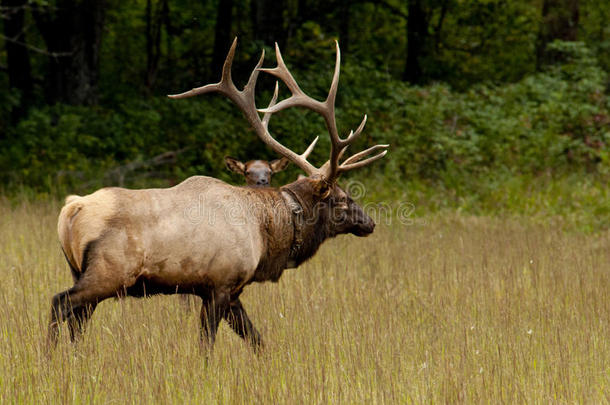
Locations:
(235, 165)
(278, 165)
(322, 188)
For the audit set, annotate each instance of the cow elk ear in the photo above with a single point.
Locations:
(235, 165)
(278, 165)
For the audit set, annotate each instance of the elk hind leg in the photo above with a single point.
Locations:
(77, 304)
(59, 306)
(74, 306)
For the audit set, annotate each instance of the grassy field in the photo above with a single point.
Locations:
(447, 310)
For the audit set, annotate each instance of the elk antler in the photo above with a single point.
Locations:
(244, 99)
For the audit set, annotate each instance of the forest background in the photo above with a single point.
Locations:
(490, 106)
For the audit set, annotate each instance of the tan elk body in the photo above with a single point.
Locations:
(182, 233)
(206, 237)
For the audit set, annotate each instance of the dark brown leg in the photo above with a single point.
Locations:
(77, 304)
(237, 317)
(213, 309)
(74, 306)
(78, 321)
(58, 303)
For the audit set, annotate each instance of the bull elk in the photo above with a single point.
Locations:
(206, 237)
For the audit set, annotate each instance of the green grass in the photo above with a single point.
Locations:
(451, 309)
(573, 201)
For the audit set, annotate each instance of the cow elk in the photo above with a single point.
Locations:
(256, 172)
(206, 237)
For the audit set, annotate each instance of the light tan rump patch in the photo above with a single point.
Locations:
(82, 220)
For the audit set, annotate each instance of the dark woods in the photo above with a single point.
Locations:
(82, 82)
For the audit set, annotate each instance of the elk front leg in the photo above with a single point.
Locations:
(213, 309)
(237, 317)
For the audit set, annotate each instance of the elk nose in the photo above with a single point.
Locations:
(369, 225)
(262, 182)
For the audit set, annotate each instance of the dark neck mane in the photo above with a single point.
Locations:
(287, 245)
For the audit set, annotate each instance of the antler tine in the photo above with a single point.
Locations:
(337, 145)
(342, 152)
(251, 85)
(224, 86)
(353, 135)
(267, 115)
(345, 168)
(351, 138)
(334, 85)
(282, 73)
(354, 162)
(305, 154)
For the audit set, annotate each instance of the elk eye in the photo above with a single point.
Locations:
(247, 172)
(342, 205)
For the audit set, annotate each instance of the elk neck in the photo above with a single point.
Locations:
(293, 229)
(310, 228)
(295, 204)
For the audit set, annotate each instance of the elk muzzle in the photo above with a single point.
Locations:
(362, 224)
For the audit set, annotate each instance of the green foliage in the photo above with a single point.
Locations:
(558, 119)
(555, 121)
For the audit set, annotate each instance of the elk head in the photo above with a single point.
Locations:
(318, 193)
(257, 172)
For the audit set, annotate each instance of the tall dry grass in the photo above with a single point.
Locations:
(455, 310)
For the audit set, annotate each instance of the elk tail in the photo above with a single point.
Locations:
(72, 198)
(64, 230)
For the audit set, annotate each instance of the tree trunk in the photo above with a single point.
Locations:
(222, 36)
(153, 44)
(72, 31)
(559, 21)
(18, 58)
(417, 42)
(269, 24)
(344, 22)
(156, 16)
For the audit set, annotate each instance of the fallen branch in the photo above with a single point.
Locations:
(118, 174)
(121, 171)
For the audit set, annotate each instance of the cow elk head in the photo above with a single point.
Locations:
(256, 172)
